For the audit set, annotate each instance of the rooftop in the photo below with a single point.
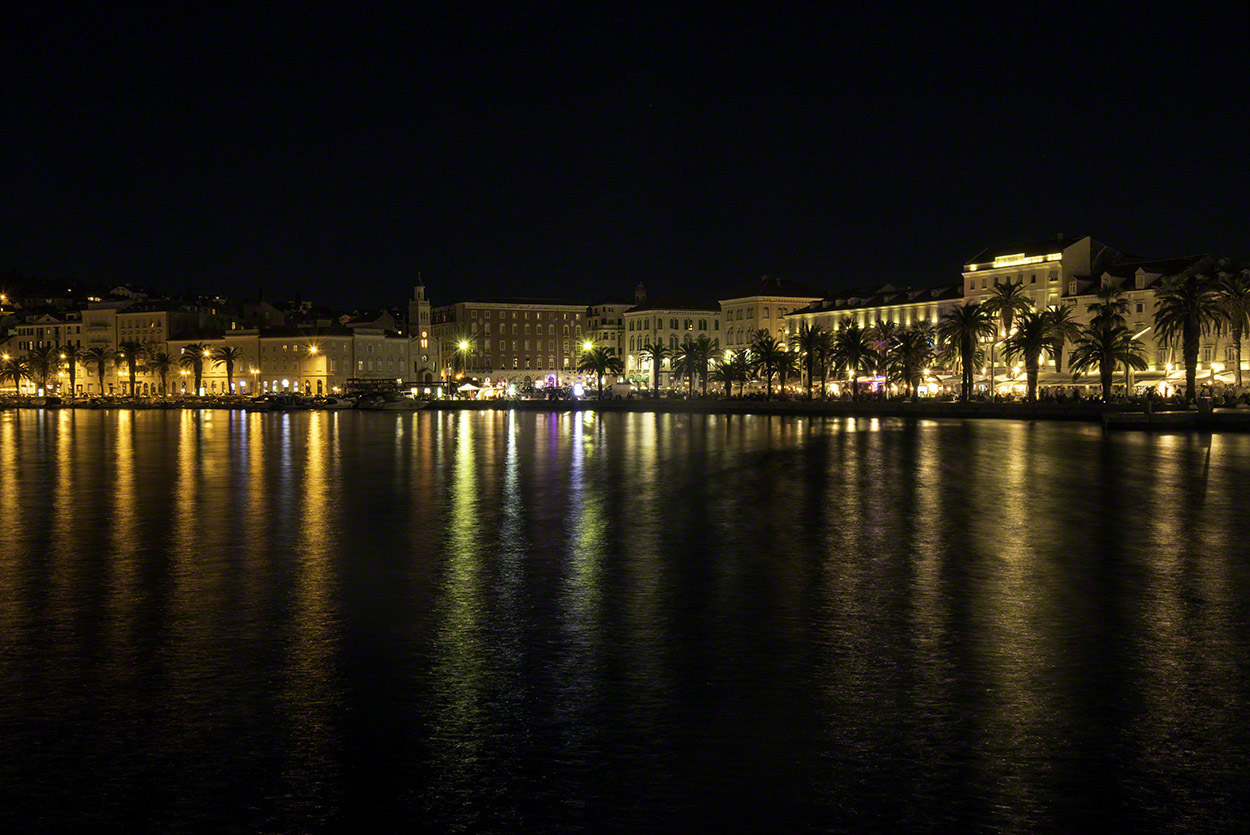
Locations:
(674, 301)
(1027, 249)
(518, 301)
(784, 287)
(883, 296)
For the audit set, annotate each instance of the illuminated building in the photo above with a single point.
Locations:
(668, 319)
(424, 356)
(606, 327)
(516, 340)
(763, 306)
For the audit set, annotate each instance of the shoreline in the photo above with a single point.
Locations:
(1114, 416)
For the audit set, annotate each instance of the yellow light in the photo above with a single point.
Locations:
(206, 353)
(587, 345)
(313, 349)
(464, 345)
(62, 356)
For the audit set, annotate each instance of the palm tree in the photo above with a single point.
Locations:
(704, 349)
(15, 369)
(960, 330)
(910, 351)
(71, 356)
(853, 352)
(787, 367)
(1106, 345)
(1111, 307)
(160, 363)
(724, 372)
(1006, 301)
(685, 363)
(824, 358)
(41, 362)
(100, 357)
(1063, 328)
(656, 352)
(1032, 338)
(1234, 295)
(227, 356)
(1188, 308)
(806, 343)
(883, 333)
(766, 354)
(128, 355)
(600, 361)
(736, 368)
(192, 358)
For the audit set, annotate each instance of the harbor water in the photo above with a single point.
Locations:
(490, 621)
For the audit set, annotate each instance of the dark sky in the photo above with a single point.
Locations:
(336, 154)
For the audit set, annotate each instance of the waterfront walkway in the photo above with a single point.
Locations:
(1126, 415)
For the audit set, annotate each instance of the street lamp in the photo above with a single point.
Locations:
(587, 345)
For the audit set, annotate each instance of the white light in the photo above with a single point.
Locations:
(578, 390)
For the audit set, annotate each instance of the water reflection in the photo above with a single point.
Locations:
(530, 621)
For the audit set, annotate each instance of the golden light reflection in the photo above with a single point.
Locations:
(1018, 618)
(12, 512)
(309, 691)
(459, 731)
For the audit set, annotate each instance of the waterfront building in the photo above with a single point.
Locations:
(607, 323)
(423, 355)
(515, 340)
(903, 305)
(670, 319)
(763, 305)
(213, 375)
(47, 329)
(1053, 272)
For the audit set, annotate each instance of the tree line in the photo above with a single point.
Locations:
(45, 363)
(1187, 309)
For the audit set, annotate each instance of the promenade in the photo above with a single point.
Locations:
(1118, 415)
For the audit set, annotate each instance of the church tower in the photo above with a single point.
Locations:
(423, 359)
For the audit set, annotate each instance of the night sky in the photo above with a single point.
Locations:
(334, 155)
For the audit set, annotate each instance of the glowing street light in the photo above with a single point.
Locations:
(587, 345)
(464, 345)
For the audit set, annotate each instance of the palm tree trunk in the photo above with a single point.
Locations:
(1105, 371)
(854, 385)
(1237, 353)
(1031, 367)
(1191, 339)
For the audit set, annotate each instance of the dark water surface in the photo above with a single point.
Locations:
(484, 621)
